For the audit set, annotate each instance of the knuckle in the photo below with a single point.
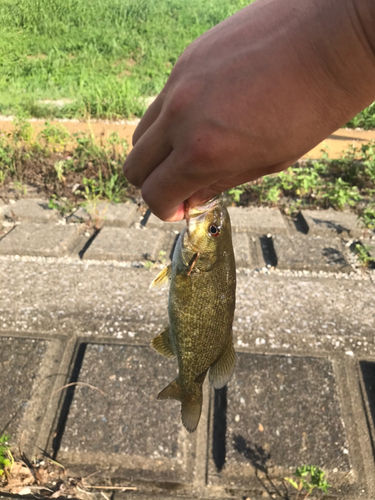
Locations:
(180, 98)
(202, 148)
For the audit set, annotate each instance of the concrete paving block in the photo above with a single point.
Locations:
(371, 247)
(110, 214)
(134, 434)
(277, 413)
(31, 210)
(310, 253)
(20, 361)
(2, 206)
(126, 244)
(154, 222)
(257, 220)
(247, 251)
(48, 240)
(330, 223)
(368, 377)
(79, 216)
(95, 300)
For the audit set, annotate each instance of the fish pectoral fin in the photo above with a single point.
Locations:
(222, 370)
(191, 404)
(163, 345)
(162, 279)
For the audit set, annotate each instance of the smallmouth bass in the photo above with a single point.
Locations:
(201, 306)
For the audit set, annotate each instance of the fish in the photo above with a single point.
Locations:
(201, 304)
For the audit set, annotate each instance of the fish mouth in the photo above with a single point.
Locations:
(201, 209)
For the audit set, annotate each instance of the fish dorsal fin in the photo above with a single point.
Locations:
(162, 344)
(191, 405)
(162, 279)
(222, 370)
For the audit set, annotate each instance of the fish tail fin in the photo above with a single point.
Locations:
(191, 410)
(191, 404)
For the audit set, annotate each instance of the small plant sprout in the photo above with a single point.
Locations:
(149, 265)
(59, 167)
(235, 193)
(368, 217)
(363, 254)
(308, 477)
(6, 457)
(162, 256)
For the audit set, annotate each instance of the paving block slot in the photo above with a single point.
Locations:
(88, 244)
(268, 250)
(69, 395)
(368, 374)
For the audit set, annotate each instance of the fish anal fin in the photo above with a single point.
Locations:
(172, 391)
(162, 344)
(222, 370)
(191, 404)
(162, 279)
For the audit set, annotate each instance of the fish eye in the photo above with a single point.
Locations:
(214, 230)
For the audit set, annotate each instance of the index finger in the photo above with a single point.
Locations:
(148, 118)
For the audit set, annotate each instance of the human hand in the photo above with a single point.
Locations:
(250, 97)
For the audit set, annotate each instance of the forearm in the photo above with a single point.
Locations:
(344, 43)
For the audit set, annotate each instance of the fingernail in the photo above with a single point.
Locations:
(179, 213)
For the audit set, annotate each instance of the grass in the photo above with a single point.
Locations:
(101, 57)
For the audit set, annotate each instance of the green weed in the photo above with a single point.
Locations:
(235, 194)
(54, 134)
(149, 265)
(63, 205)
(363, 254)
(325, 183)
(308, 477)
(368, 217)
(365, 119)
(6, 457)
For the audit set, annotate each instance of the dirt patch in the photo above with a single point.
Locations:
(101, 130)
(36, 56)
